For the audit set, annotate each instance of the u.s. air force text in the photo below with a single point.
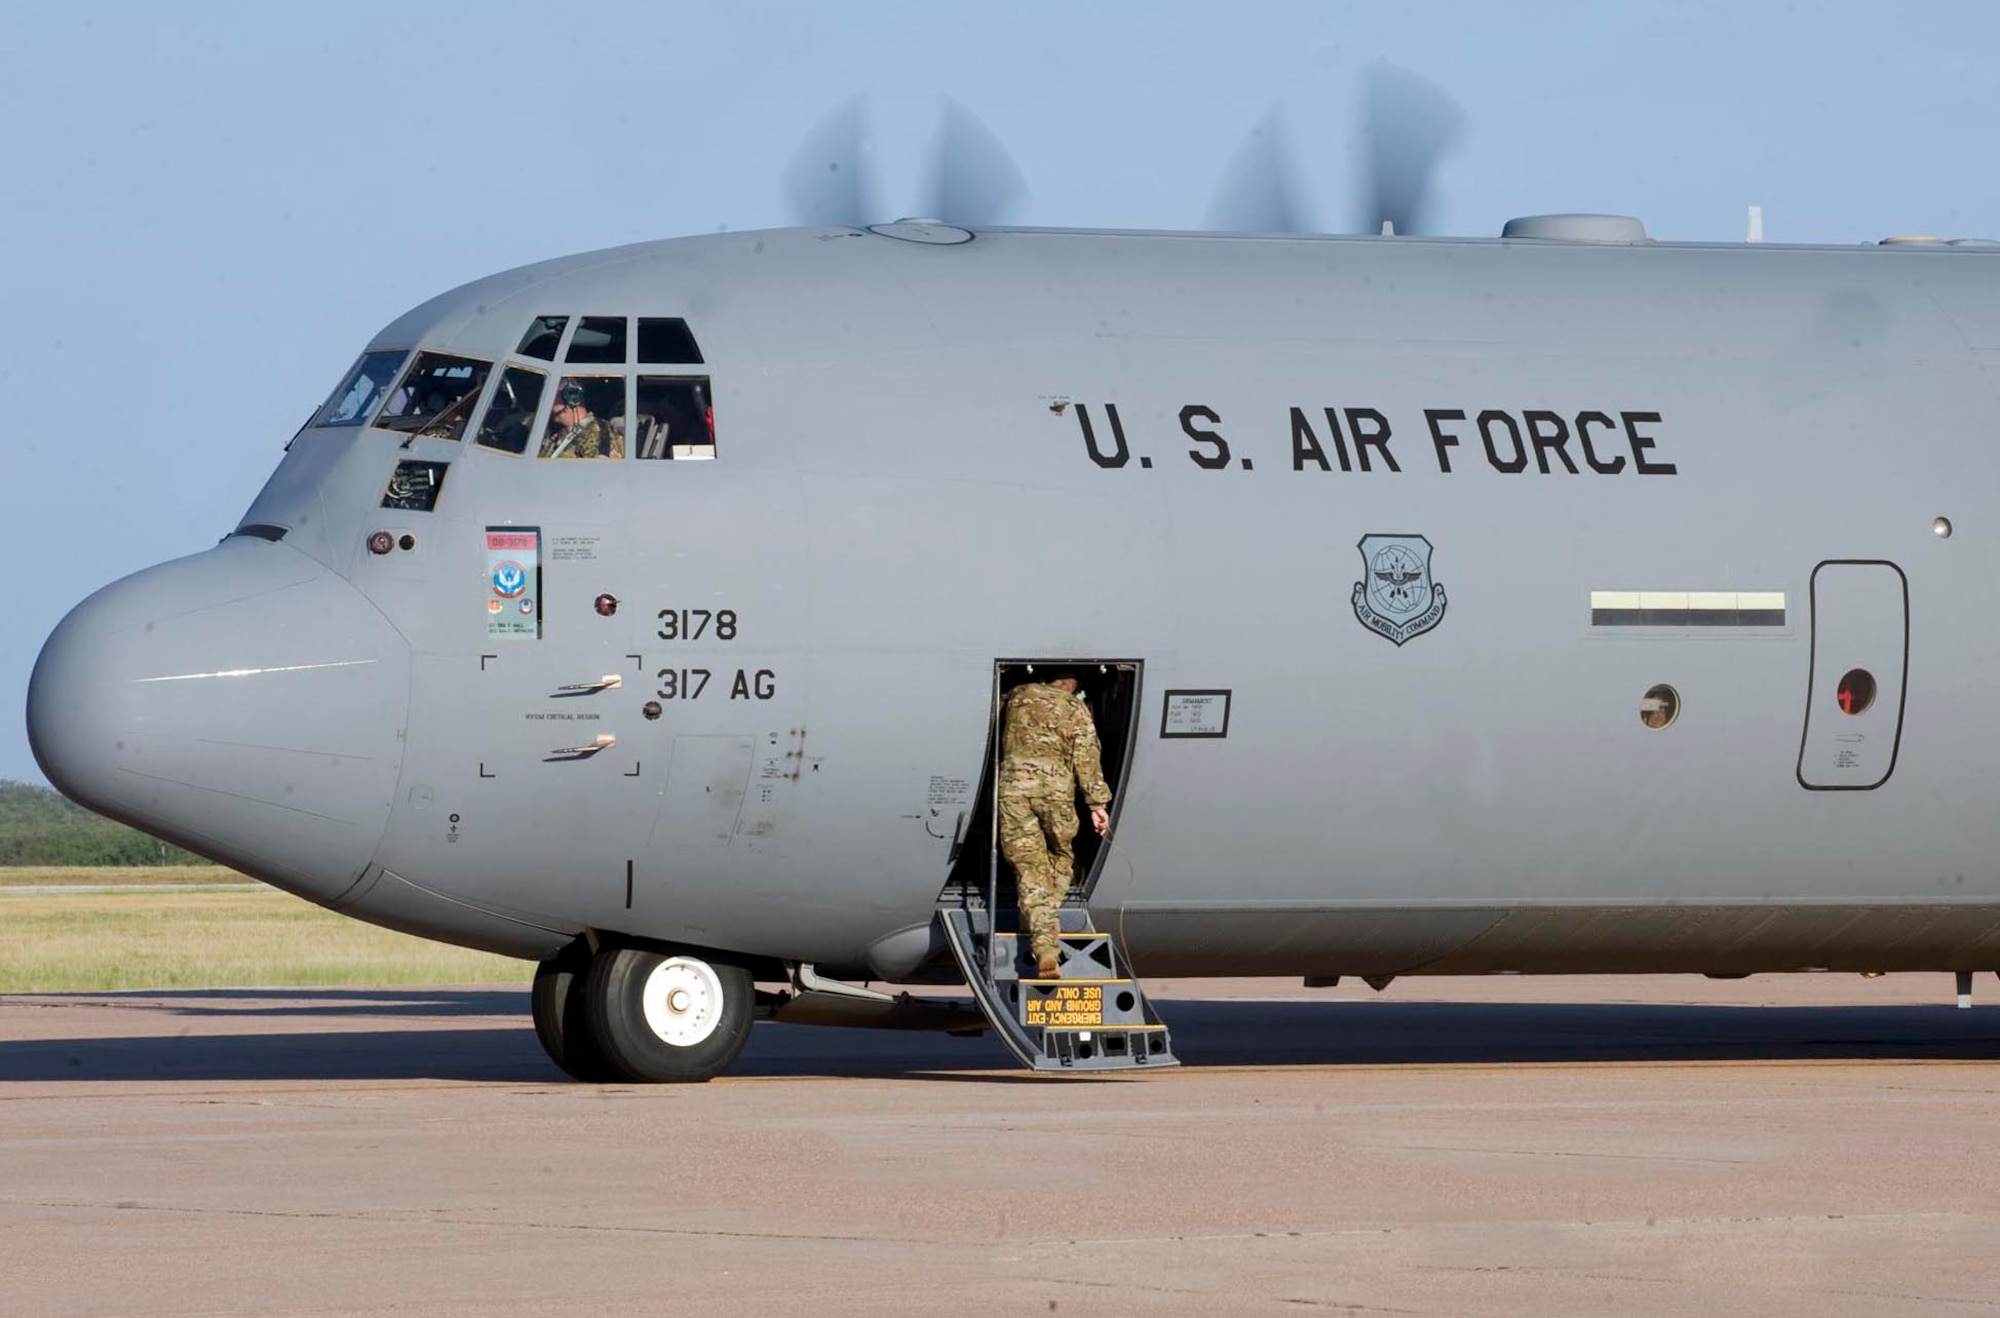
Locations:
(1365, 440)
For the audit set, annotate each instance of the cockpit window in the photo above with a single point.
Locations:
(362, 389)
(510, 417)
(544, 333)
(436, 398)
(664, 341)
(599, 339)
(586, 418)
(675, 418)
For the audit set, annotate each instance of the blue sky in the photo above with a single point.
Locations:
(209, 208)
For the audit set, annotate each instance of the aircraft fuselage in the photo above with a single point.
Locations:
(1421, 525)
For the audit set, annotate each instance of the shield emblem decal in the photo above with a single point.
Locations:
(1396, 596)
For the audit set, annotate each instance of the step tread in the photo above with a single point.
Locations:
(1067, 933)
(1096, 1029)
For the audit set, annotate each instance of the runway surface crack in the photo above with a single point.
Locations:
(444, 1219)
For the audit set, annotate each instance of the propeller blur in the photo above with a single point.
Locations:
(969, 179)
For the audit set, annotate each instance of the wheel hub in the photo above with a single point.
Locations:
(682, 1000)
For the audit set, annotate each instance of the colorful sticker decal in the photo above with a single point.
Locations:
(513, 568)
(1396, 597)
(510, 579)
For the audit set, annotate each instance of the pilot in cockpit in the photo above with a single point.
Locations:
(574, 430)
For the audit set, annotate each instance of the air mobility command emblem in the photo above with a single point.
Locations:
(1396, 597)
(510, 579)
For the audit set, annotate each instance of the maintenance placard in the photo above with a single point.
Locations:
(1195, 714)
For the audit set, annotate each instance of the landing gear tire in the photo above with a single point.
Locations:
(562, 1016)
(668, 1017)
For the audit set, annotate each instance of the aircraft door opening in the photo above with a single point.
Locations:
(1110, 689)
(1860, 657)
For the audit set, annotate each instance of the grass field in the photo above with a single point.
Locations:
(72, 876)
(85, 942)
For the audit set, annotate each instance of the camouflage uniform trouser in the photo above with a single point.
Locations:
(1037, 834)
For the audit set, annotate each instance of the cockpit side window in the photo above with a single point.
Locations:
(599, 339)
(510, 417)
(435, 399)
(675, 418)
(542, 336)
(361, 389)
(586, 418)
(665, 341)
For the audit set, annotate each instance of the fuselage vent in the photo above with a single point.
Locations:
(1577, 228)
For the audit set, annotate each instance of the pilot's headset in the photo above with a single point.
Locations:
(570, 395)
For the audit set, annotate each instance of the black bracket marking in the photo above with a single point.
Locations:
(483, 658)
(957, 837)
(483, 773)
(638, 661)
(636, 766)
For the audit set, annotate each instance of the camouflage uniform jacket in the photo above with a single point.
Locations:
(1050, 746)
(588, 438)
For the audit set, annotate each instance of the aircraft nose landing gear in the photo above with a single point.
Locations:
(633, 1015)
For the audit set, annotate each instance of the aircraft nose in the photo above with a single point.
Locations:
(245, 702)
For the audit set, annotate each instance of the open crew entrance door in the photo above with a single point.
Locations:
(1091, 1016)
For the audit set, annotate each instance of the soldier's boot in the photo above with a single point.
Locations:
(1048, 966)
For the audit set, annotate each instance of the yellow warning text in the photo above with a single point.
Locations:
(1067, 1004)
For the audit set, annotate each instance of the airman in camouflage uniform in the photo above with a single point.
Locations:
(1049, 752)
(574, 432)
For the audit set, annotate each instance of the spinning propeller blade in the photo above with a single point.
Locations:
(1260, 192)
(827, 181)
(973, 181)
(970, 178)
(1408, 124)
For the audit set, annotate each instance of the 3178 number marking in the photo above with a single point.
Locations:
(693, 624)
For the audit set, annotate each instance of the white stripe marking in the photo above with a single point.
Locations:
(1687, 601)
(256, 672)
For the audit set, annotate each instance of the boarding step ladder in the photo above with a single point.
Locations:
(1092, 1017)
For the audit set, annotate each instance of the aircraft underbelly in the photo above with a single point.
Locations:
(1563, 940)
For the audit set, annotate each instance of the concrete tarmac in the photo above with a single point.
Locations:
(1786, 1145)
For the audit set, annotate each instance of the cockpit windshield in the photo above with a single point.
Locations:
(512, 411)
(542, 336)
(362, 388)
(586, 418)
(598, 339)
(436, 398)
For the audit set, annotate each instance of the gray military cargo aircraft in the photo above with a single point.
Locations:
(1552, 603)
